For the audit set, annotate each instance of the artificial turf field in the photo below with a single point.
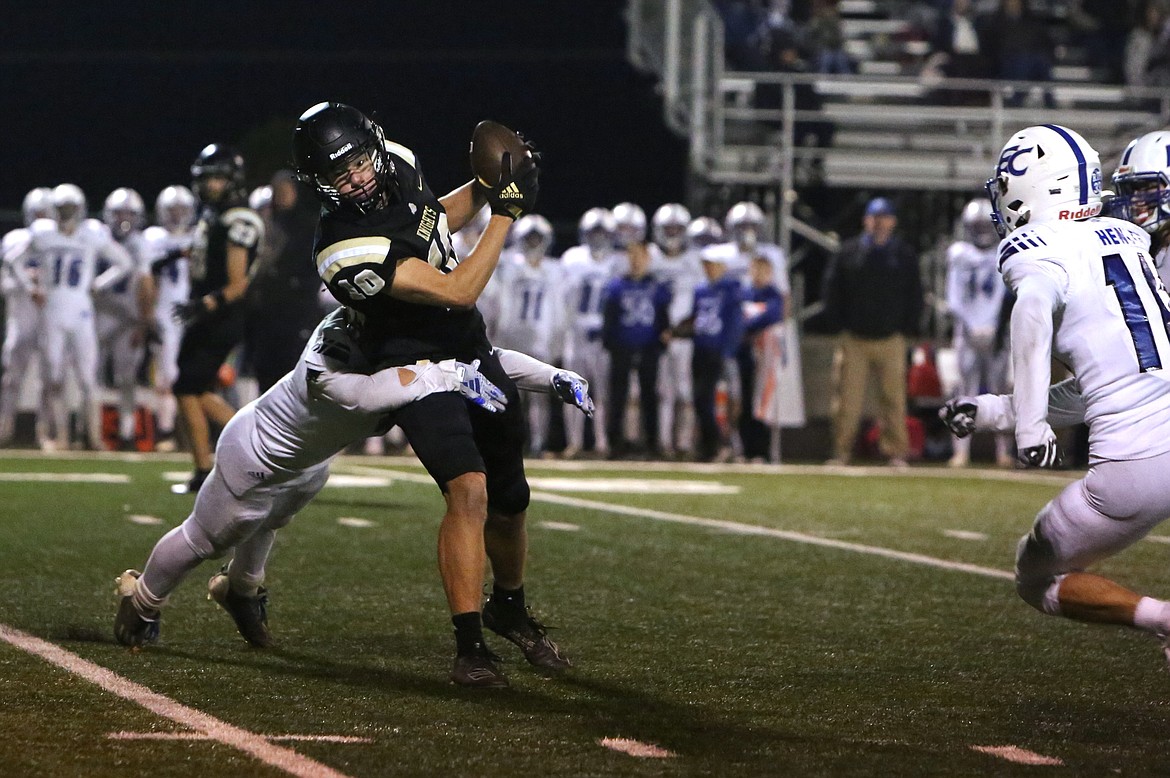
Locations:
(797, 622)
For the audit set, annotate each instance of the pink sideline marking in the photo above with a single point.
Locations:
(637, 748)
(1019, 755)
(220, 731)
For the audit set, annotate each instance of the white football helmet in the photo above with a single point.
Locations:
(744, 222)
(123, 212)
(70, 203)
(534, 235)
(704, 231)
(977, 226)
(597, 230)
(38, 204)
(631, 224)
(1045, 173)
(174, 208)
(260, 198)
(1142, 182)
(670, 224)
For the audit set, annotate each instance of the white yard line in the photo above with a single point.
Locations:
(727, 526)
(1019, 755)
(73, 478)
(203, 736)
(220, 731)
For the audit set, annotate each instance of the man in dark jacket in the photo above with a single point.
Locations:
(873, 295)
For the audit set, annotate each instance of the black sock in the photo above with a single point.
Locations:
(468, 632)
(511, 598)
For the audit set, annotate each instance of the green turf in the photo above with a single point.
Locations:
(745, 655)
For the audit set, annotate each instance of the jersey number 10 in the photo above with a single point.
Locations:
(1138, 318)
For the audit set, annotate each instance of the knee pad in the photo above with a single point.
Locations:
(214, 542)
(510, 499)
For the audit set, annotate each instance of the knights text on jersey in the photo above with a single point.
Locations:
(207, 266)
(357, 257)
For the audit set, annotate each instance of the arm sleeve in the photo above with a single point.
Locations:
(529, 373)
(1037, 296)
(383, 391)
(121, 265)
(1066, 407)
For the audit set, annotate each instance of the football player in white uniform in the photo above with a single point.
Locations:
(273, 457)
(678, 266)
(170, 241)
(22, 322)
(1142, 192)
(975, 295)
(125, 310)
(1086, 294)
(587, 268)
(64, 284)
(530, 310)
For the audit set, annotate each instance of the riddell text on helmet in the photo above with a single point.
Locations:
(1081, 213)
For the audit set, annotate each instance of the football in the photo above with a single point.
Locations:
(489, 141)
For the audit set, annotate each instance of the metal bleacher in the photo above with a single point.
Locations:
(893, 125)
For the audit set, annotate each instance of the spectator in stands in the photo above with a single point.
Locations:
(1020, 48)
(1147, 53)
(956, 46)
(1101, 27)
(786, 58)
(745, 33)
(825, 40)
(873, 295)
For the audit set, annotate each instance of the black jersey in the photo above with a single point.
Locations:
(357, 257)
(217, 228)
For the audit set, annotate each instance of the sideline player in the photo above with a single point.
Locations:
(586, 268)
(975, 296)
(273, 458)
(22, 316)
(170, 241)
(1086, 293)
(529, 307)
(1142, 185)
(384, 249)
(225, 243)
(125, 311)
(64, 284)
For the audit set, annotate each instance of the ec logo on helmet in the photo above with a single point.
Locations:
(1007, 160)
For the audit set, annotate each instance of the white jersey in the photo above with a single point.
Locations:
(171, 283)
(975, 290)
(120, 299)
(529, 311)
(681, 274)
(1093, 283)
(584, 279)
(67, 266)
(738, 261)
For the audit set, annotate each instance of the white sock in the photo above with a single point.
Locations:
(1152, 616)
(146, 602)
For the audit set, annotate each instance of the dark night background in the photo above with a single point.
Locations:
(127, 94)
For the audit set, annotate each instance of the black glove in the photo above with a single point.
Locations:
(190, 312)
(1047, 454)
(959, 415)
(515, 194)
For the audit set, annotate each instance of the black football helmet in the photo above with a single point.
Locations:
(332, 144)
(217, 159)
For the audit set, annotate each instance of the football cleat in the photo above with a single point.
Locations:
(130, 627)
(249, 613)
(521, 627)
(478, 670)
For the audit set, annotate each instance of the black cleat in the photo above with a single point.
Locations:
(249, 613)
(478, 670)
(522, 628)
(130, 628)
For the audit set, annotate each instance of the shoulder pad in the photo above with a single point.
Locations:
(1033, 241)
(398, 150)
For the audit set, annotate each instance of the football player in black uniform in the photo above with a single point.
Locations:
(224, 245)
(384, 249)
